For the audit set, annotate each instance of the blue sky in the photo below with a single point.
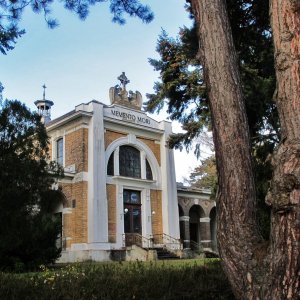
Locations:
(80, 60)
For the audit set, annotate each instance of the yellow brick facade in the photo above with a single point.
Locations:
(75, 223)
(111, 136)
(111, 207)
(156, 205)
(155, 148)
(76, 149)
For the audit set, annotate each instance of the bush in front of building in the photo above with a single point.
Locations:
(172, 280)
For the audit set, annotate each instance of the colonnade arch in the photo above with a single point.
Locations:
(197, 222)
(196, 213)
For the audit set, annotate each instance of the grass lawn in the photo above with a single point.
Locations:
(176, 279)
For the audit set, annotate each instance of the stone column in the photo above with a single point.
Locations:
(205, 234)
(186, 231)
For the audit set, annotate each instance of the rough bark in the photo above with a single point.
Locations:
(284, 195)
(256, 269)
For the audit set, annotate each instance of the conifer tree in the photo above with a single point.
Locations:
(28, 230)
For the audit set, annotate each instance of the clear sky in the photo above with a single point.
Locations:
(80, 60)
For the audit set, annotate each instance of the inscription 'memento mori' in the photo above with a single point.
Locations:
(130, 117)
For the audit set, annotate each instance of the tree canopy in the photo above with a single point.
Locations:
(183, 87)
(28, 230)
(11, 13)
(204, 176)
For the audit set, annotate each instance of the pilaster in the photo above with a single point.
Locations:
(97, 200)
(169, 188)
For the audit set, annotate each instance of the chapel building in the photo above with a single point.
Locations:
(121, 196)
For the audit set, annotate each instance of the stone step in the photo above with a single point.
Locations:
(165, 254)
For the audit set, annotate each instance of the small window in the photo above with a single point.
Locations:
(110, 165)
(59, 151)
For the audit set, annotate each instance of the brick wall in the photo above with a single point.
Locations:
(111, 136)
(156, 205)
(75, 223)
(155, 148)
(76, 149)
(111, 205)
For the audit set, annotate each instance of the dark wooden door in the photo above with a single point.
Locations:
(132, 218)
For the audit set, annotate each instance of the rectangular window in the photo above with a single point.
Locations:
(60, 151)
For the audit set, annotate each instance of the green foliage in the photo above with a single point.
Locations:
(120, 281)
(205, 175)
(253, 42)
(8, 37)
(28, 230)
(182, 85)
(11, 14)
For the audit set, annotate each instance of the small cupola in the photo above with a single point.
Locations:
(44, 107)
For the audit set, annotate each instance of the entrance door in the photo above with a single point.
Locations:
(132, 219)
(132, 216)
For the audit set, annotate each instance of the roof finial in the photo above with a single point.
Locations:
(44, 93)
(124, 80)
(119, 95)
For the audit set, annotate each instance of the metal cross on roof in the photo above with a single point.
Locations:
(124, 80)
(44, 93)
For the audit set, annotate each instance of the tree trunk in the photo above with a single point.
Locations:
(256, 269)
(284, 195)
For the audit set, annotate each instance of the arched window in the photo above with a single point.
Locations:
(129, 162)
(60, 151)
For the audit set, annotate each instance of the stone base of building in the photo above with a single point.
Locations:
(133, 253)
(84, 255)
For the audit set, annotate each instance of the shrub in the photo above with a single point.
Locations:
(120, 281)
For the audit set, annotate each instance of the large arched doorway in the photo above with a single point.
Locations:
(196, 212)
